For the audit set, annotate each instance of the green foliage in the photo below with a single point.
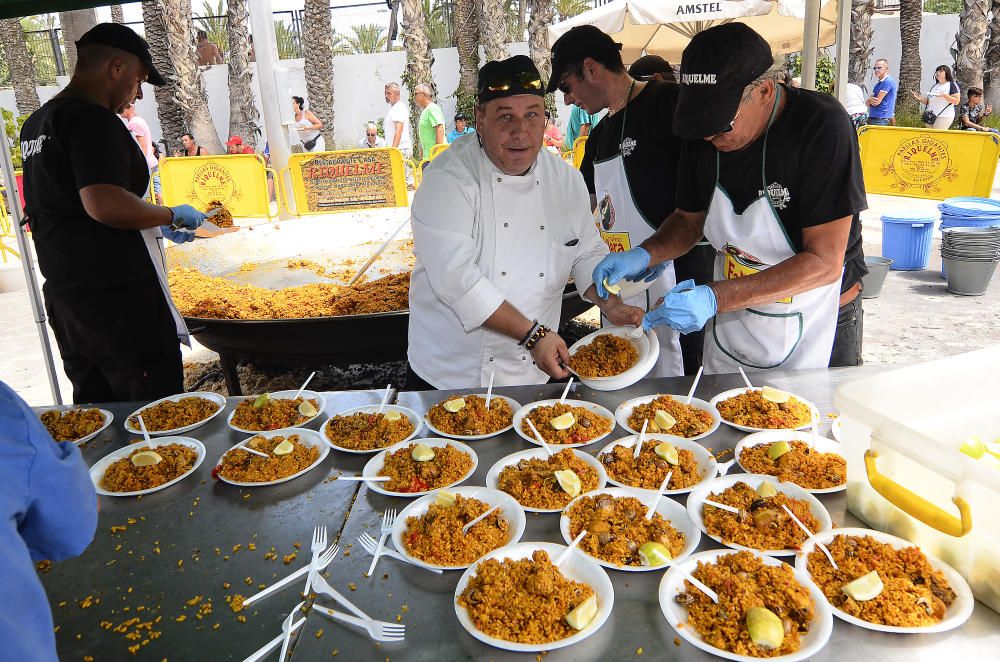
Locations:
(909, 118)
(215, 26)
(943, 6)
(12, 127)
(368, 38)
(569, 8)
(826, 70)
(287, 41)
(439, 23)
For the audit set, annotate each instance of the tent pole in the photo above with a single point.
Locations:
(27, 262)
(810, 44)
(843, 47)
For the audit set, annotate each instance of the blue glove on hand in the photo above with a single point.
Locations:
(686, 308)
(187, 218)
(176, 236)
(616, 266)
(649, 275)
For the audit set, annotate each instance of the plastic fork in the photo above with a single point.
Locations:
(388, 518)
(318, 545)
(243, 447)
(320, 585)
(324, 561)
(286, 628)
(266, 649)
(377, 630)
(369, 544)
(465, 529)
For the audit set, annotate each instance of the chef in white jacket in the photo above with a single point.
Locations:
(499, 227)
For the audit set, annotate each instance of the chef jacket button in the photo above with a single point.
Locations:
(503, 273)
(499, 180)
(523, 357)
(541, 275)
(491, 358)
(506, 224)
(542, 227)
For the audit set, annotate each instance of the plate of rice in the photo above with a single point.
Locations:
(747, 409)
(691, 421)
(116, 475)
(694, 466)
(76, 425)
(176, 414)
(362, 430)
(610, 358)
(452, 462)
(471, 420)
(815, 464)
(243, 469)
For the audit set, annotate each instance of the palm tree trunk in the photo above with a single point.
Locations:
(493, 28)
(522, 13)
(74, 24)
(860, 55)
(317, 29)
(419, 59)
(117, 15)
(190, 85)
(243, 116)
(172, 123)
(910, 19)
(970, 43)
(22, 70)
(467, 41)
(991, 73)
(543, 13)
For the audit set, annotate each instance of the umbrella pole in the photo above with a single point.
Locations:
(27, 260)
(843, 47)
(810, 44)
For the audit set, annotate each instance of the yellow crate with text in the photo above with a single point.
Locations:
(238, 181)
(6, 232)
(327, 182)
(928, 163)
(579, 145)
(436, 150)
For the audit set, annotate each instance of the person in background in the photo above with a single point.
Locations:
(580, 124)
(189, 147)
(208, 52)
(253, 52)
(652, 67)
(941, 99)
(883, 99)
(973, 112)
(396, 126)
(140, 131)
(855, 102)
(235, 146)
(552, 136)
(462, 128)
(430, 128)
(371, 139)
(48, 511)
(308, 126)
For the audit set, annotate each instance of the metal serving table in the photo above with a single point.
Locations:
(421, 600)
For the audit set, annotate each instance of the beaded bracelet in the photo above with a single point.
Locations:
(536, 336)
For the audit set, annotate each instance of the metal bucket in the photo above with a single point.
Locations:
(878, 269)
(968, 278)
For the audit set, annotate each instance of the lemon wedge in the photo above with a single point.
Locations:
(766, 489)
(307, 409)
(261, 400)
(583, 614)
(284, 448)
(865, 587)
(612, 289)
(454, 405)
(563, 422)
(667, 452)
(654, 554)
(777, 449)
(392, 415)
(146, 458)
(774, 395)
(663, 420)
(445, 498)
(569, 481)
(422, 453)
(765, 628)
(973, 447)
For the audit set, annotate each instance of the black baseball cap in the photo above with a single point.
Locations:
(648, 65)
(579, 43)
(124, 39)
(461, 116)
(507, 78)
(716, 66)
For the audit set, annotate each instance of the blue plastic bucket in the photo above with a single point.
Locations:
(906, 239)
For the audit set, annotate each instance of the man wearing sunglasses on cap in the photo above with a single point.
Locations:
(499, 227)
(772, 177)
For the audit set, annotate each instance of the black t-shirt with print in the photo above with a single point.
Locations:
(812, 172)
(650, 149)
(68, 144)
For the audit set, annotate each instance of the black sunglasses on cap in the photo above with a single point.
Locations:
(502, 82)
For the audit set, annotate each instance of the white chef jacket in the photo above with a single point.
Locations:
(481, 237)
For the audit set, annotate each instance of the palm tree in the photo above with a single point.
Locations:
(243, 116)
(991, 67)
(117, 15)
(74, 24)
(522, 16)
(910, 19)
(970, 43)
(190, 90)
(213, 22)
(287, 41)
(22, 72)
(467, 41)
(368, 38)
(861, 40)
(569, 8)
(419, 57)
(542, 15)
(494, 33)
(171, 116)
(439, 27)
(317, 32)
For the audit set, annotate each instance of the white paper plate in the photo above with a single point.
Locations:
(957, 614)
(214, 397)
(108, 419)
(283, 395)
(578, 567)
(520, 414)
(725, 395)
(306, 438)
(510, 510)
(97, 471)
(647, 345)
(822, 444)
(836, 428)
(409, 413)
(376, 463)
(696, 500)
(626, 408)
(673, 583)
(669, 509)
(706, 461)
(514, 406)
(493, 476)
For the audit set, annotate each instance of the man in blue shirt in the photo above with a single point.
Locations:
(883, 99)
(48, 510)
(580, 123)
(462, 128)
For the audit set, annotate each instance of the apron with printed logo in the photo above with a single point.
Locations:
(795, 333)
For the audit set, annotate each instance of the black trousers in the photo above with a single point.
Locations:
(850, 335)
(415, 382)
(118, 345)
(697, 264)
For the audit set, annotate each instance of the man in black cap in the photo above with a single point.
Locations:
(499, 226)
(772, 177)
(652, 67)
(98, 241)
(630, 167)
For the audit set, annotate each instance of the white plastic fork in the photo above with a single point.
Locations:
(388, 518)
(286, 628)
(368, 544)
(324, 561)
(377, 630)
(266, 649)
(320, 585)
(317, 547)
(465, 529)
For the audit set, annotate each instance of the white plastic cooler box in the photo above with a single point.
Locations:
(905, 474)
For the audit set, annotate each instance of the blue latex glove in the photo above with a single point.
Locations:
(176, 236)
(686, 308)
(649, 275)
(187, 217)
(616, 266)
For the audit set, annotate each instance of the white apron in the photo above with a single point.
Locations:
(795, 333)
(623, 227)
(153, 239)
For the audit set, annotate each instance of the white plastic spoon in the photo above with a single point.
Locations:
(745, 378)
(809, 534)
(385, 398)
(722, 506)
(489, 390)
(694, 386)
(465, 529)
(538, 435)
(562, 398)
(569, 550)
(659, 495)
(304, 385)
(638, 442)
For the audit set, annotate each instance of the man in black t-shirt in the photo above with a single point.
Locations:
(97, 239)
(772, 177)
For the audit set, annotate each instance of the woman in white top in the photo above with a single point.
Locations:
(854, 99)
(942, 98)
(308, 126)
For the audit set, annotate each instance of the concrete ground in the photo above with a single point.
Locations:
(915, 318)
